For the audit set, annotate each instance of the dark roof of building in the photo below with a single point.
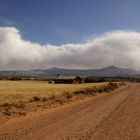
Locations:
(62, 77)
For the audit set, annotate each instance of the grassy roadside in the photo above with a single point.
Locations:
(36, 101)
(15, 91)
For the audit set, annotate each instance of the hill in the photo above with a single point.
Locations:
(107, 71)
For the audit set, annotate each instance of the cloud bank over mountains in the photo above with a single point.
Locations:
(120, 48)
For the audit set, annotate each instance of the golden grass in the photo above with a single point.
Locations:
(14, 91)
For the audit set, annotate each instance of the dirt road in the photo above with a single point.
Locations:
(112, 116)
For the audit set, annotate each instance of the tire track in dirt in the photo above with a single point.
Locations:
(123, 124)
(81, 127)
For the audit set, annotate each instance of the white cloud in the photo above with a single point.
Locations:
(120, 48)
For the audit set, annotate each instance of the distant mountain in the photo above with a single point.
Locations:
(107, 71)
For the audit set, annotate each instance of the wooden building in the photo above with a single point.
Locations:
(66, 80)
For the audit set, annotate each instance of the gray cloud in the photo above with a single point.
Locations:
(120, 48)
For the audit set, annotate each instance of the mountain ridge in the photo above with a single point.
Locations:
(106, 71)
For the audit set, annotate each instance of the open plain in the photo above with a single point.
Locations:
(112, 116)
(15, 91)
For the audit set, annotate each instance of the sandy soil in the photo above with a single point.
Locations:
(112, 116)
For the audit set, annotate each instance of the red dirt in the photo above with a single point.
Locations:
(112, 116)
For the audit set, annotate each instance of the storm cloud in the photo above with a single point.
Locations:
(120, 48)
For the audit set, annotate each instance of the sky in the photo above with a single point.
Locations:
(39, 34)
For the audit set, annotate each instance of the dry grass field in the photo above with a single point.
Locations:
(15, 91)
(114, 115)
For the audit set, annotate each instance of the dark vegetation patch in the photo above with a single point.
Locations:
(14, 109)
(93, 90)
